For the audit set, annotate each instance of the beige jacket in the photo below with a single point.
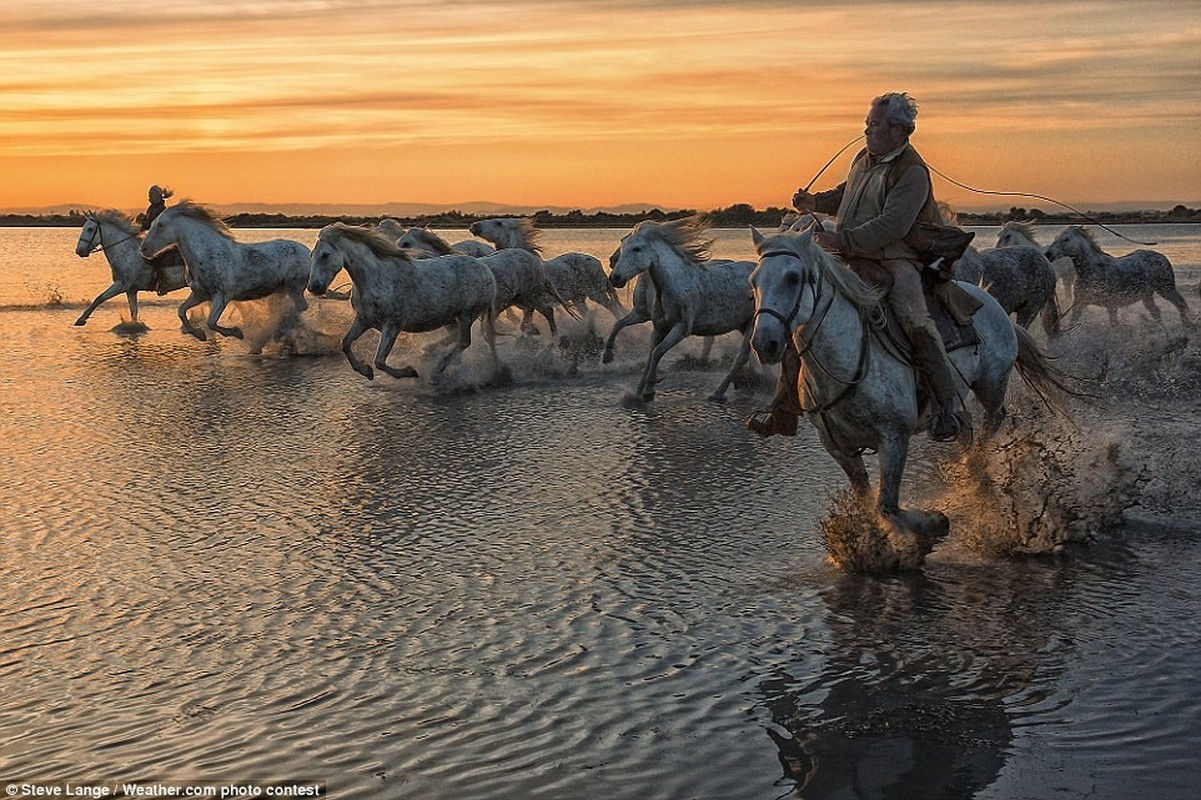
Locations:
(879, 202)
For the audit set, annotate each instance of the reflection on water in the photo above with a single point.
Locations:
(220, 566)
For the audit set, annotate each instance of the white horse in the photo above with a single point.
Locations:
(393, 293)
(520, 280)
(642, 302)
(1103, 280)
(1020, 278)
(858, 392)
(425, 239)
(1021, 234)
(577, 277)
(115, 234)
(222, 269)
(695, 296)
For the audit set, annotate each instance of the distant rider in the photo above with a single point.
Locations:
(157, 196)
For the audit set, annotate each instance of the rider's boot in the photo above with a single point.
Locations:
(931, 361)
(785, 408)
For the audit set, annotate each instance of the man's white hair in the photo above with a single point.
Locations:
(899, 109)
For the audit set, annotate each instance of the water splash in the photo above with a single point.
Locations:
(1035, 488)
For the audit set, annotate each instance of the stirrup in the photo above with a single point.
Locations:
(946, 426)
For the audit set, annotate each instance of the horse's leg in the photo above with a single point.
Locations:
(989, 389)
(527, 323)
(707, 348)
(633, 318)
(357, 329)
(852, 464)
(892, 455)
(1050, 316)
(744, 353)
(662, 343)
(1173, 296)
(190, 302)
(548, 311)
(488, 326)
(218, 308)
(1152, 309)
(464, 342)
(108, 294)
(132, 298)
(387, 340)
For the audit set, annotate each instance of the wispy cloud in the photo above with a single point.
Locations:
(124, 77)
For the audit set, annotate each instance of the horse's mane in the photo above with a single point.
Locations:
(431, 240)
(865, 297)
(1024, 228)
(203, 214)
(117, 218)
(381, 244)
(688, 236)
(1087, 235)
(525, 234)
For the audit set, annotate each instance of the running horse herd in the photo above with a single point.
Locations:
(856, 384)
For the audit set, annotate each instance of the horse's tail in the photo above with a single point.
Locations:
(1051, 384)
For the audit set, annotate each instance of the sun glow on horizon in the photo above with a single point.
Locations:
(696, 105)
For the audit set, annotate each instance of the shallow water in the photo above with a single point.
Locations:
(227, 567)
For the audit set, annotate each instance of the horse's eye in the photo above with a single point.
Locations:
(792, 278)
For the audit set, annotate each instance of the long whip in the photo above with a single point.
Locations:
(1044, 198)
(948, 178)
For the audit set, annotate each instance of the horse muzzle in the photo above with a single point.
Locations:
(619, 281)
(769, 348)
(317, 288)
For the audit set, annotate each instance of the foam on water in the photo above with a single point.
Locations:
(219, 566)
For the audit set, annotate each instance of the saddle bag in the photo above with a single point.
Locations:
(938, 246)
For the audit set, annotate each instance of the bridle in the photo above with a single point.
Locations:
(98, 241)
(804, 347)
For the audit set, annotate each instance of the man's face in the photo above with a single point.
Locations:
(882, 138)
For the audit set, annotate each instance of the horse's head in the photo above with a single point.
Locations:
(390, 227)
(161, 235)
(328, 259)
(1016, 234)
(634, 255)
(88, 237)
(786, 287)
(424, 241)
(1072, 242)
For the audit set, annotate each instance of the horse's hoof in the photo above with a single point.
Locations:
(716, 398)
(407, 372)
(606, 357)
(81, 322)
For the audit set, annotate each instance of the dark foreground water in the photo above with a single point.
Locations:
(223, 567)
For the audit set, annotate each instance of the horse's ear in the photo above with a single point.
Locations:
(807, 237)
(756, 236)
(799, 225)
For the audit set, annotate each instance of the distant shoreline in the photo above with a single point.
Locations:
(734, 216)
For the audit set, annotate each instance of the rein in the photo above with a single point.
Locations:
(864, 349)
(99, 245)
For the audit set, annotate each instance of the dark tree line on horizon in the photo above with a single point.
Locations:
(738, 215)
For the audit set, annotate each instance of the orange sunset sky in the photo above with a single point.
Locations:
(682, 104)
